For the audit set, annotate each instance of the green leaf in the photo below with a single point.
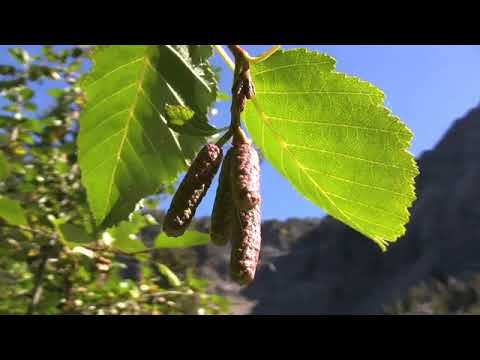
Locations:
(4, 167)
(126, 149)
(178, 115)
(190, 238)
(12, 108)
(30, 106)
(169, 275)
(72, 235)
(20, 55)
(56, 92)
(12, 212)
(26, 93)
(183, 120)
(49, 53)
(9, 84)
(125, 234)
(7, 70)
(74, 66)
(332, 137)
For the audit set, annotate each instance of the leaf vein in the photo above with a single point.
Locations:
(356, 182)
(333, 125)
(348, 156)
(105, 120)
(120, 148)
(366, 205)
(291, 66)
(314, 92)
(100, 102)
(114, 70)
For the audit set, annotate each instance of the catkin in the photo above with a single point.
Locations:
(245, 175)
(192, 190)
(246, 242)
(246, 234)
(223, 207)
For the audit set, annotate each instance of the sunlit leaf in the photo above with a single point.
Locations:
(332, 137)
(12, 212)
(125, 234)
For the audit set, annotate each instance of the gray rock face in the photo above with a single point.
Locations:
(332, 269)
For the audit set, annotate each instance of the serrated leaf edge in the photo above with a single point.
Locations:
(383, 243)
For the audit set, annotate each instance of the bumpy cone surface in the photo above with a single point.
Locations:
(246, 237)
(223, 208)
(246, 243)
(192, 190)
(245, 176)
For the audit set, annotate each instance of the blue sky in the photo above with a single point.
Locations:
(428, 87)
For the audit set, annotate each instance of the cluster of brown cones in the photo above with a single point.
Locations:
(236, 215)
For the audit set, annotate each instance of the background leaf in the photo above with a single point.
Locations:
(169, 275)
(190, 238)
(20, 55)
(125, 233)
(331, 136)
(72, 235)
(12, 212)
(126, 149)
(4, 167)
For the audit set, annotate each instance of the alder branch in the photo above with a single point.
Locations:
(38, 282)
(243, 88)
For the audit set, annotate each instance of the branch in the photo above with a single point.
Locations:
(221, 51)
(243, 88)
(251, 59)
(28, 229)
(37, 288)
(264, 56)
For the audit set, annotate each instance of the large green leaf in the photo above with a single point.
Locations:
(126, 149)
(332, 137)
(12, 212)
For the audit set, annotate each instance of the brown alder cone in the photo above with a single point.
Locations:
(223, 208)
(245, 173)
(192, 190)
(246, 235)
(246, 243)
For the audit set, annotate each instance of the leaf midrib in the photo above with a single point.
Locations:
(122, 142)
